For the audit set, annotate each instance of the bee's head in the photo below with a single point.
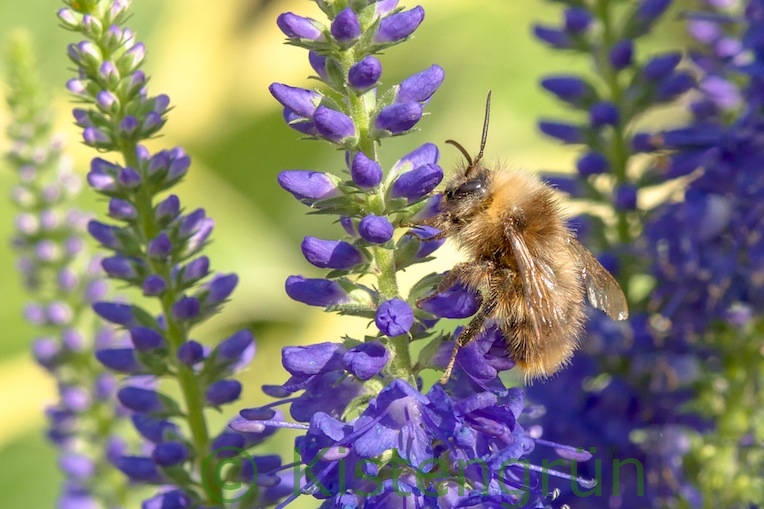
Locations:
(466, 194)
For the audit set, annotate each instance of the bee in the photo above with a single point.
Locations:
(526, 263)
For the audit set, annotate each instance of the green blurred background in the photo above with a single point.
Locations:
(215, 61)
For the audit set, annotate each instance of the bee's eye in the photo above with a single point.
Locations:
(470, 187)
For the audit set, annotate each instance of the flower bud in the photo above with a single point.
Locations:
(365, 74)
(167, 454)
(333, 125)
(456, 302)
(222, 392)
(394, 317)
(145, 338)
(621, 54)
(398, 26)
(345, 26)
(299, 27)
(301, 101)
(308, 186)
(315, 292)
(577, 20)
(331, 254)
(121, 360)
(421, 86)
(190, 353)
(365, 172)
(417, 183)
(625, 197)
(604, 113)
(366, 360)
(567, 133)
(398, 118)
(375, 229)
(592, 163)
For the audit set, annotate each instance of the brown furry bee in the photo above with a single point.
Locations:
(528, 266)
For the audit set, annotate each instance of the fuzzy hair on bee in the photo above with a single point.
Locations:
(526, 263)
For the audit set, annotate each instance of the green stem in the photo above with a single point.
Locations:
(384, 258)
(620, 153)
(176, 336)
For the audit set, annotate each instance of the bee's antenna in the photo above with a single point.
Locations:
(462, 150)
(484, 138)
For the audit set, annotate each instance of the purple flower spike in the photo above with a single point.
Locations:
(366, 360)
(421, 86)
(394, 317)
(345, 26)
(375, 229)
(398, 26)
(308, 186)
(398, 118)
(365, 74)
(331, 254)
(299, 27)
(315, 292)
(417, 183)
(456, 302)
(223, 392)
(301, 101)
(333, 125)
(365, 172)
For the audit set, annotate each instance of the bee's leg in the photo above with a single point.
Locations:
(457, 273)
(467, 336)
(473, 274)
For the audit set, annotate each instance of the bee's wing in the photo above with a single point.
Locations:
(539, 283)
(601, 287)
